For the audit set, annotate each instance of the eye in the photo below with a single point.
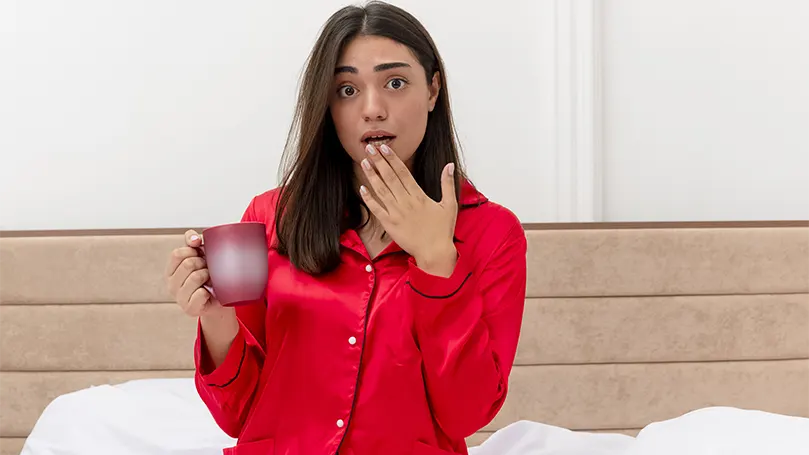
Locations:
(397, 83)
(346, 91)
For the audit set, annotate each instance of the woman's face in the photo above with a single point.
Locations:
(380, 95)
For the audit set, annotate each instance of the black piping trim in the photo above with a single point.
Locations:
(440, 296)
(478, 203)
(244, 350)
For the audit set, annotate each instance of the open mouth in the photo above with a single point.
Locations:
(376, 141)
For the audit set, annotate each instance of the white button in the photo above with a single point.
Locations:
(340, 423)
(368, 268)
(352, 341)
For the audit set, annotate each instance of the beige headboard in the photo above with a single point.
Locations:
(624, 324)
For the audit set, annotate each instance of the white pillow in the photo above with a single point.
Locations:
(143, 417)
(725, 431)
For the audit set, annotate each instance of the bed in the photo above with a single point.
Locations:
(625, 324)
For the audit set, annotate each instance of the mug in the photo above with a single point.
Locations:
(236, 255)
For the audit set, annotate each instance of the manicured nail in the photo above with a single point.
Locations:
(194, 238)
(366, 164)
(363, 190)
(370, 149)
(451, 169)
(385, 149)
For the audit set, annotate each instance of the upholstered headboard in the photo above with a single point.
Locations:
(624, 324)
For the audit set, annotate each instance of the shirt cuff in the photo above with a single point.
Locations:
(438, 287)
(229, 370)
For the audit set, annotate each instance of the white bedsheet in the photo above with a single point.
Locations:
(708, 431)
(166, 417)
(534, 438)
(143, 417)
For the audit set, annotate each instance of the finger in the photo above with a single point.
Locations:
(373, 205)
(381, 190)
(178, 255)
(197, 279)
(401, 170)
(200, 299)
(194, 281)
(448, 198)
(209, 288)
(193, 238)
(387, 173)
(187, 267)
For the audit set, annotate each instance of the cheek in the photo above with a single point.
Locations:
(346, 126)
(415, 126)
(340, 118)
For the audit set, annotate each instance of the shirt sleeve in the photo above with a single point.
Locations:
(468, 327)
(228, 389)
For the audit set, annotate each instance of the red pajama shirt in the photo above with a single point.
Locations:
(378, 356)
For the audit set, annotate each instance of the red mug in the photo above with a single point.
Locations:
(236, 255)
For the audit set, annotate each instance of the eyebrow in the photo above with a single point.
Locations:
(377, 68)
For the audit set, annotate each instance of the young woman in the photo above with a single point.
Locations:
(396, 289)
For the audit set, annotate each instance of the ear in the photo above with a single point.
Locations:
(435, 89)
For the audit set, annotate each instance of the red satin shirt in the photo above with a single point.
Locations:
(378, 356)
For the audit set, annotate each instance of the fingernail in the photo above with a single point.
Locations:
(366, 164)
(370, 149)
(194, 237)
(385, 149)
(451, 169)
(363, 190)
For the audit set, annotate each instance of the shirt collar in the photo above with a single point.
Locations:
(470, 196)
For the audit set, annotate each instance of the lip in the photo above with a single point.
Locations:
(376, 133)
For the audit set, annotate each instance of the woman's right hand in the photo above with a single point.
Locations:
(186, 273)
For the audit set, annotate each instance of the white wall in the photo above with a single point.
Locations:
(706, 109)
(174, 113)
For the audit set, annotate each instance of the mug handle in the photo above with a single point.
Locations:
(207, 285)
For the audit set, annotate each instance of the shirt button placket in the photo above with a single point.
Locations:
(353, 341)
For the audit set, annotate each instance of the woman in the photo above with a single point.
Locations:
(395, 290)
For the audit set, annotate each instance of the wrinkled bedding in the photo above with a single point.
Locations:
(142, 417)
(166, 417)
(708, 431)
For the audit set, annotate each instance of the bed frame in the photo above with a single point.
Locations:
(625, 324)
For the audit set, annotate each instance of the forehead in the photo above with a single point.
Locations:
(365, 52)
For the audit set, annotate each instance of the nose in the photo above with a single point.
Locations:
(374, 107)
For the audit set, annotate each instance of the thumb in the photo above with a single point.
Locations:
(193, 238)
(448, 186)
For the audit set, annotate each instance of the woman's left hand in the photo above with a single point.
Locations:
(421, 226)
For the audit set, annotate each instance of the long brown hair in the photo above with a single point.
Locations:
(318, 200)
